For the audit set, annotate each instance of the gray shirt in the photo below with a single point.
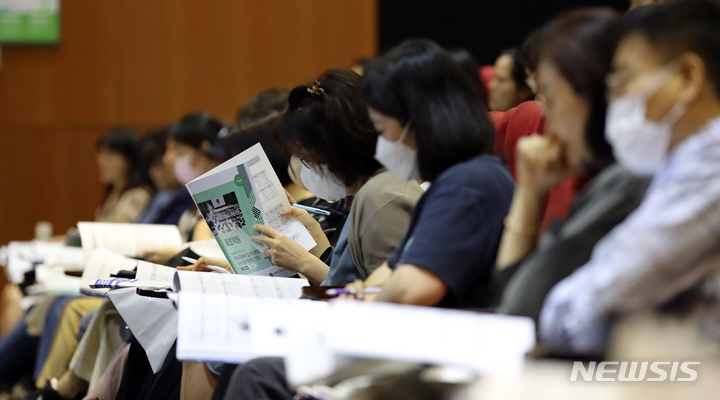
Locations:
(379, 216)
(567, 244)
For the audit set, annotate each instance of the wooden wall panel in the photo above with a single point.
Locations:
(141, 64)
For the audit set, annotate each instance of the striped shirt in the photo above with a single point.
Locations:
(668, 244)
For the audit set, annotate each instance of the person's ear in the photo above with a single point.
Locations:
(693, 77)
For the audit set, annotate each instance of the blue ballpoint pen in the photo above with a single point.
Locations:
(311, 209)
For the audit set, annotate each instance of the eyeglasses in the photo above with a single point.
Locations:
(306, 164)
(617, 83)
(302, 157)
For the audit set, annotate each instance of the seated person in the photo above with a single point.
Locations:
(573, 145)
(526, 119)
(326, 126)
(433, 126)
(663, 121)
(166, 206)
(188, 140)
(171, 198)
(127, 194)
(127, 187)
(444, 136)
(508, 88)
(260, 131)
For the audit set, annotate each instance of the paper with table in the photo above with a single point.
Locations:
(313, 335)
(157, 338)
(235, 196)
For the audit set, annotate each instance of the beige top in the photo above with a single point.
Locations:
(379, 217)
(124, 208)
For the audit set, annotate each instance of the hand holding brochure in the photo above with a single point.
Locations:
(235, 196)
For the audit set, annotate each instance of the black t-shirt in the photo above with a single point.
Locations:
(456, 228)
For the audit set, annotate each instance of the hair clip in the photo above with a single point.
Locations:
(316, 89)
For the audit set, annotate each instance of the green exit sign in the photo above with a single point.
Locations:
(29, 21)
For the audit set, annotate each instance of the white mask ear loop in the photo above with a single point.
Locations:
(657, 80)
(405, 131)
(672, 117)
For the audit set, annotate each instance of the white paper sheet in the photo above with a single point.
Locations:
(483, 342)
(22, 255)
(215, 327)
(313, 336)
(153, 321)
(206, 248)
(54, 281)
(101, 263)
(240, 285)
(127, 239)
(154, 272)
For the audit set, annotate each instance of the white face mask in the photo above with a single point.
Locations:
(638, 144)
(322, 183)
(397, 157)
(184, 171)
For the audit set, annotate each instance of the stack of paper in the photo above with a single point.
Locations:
(143, 314)
(313, 335)
(21, 257)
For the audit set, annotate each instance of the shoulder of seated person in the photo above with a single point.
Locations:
(530, 106)
(138, 191)
(387, 187)
(476, 169)
(618, 176)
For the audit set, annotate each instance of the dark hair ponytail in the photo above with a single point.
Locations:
(194, 129)
(327, 121)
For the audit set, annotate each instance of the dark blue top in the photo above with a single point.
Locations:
(456, 228)
(167, 207)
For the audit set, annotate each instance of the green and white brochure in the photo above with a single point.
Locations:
(235, 196)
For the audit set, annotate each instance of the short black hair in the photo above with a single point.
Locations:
(331, 127)
(254, 117)
(518, 69)
(153, 145)
(419, 81)
(274, 99)
(261, 131)
(527, 53)
(581, 44)
(472, 68)
(196, 128)
(126, 142)
(679, 26)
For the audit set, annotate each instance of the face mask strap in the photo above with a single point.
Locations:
(659, 79)
(672, 117)
(405, 131)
